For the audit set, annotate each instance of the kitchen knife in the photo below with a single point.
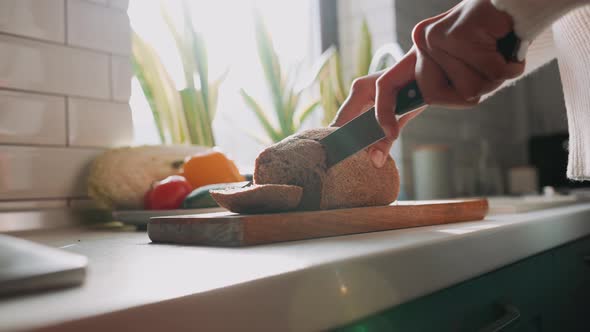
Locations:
(364, 130)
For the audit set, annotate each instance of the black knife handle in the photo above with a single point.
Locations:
(508, 46)
(409, 98)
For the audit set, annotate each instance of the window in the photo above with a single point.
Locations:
(227, 26)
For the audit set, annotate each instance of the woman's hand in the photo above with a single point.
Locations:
(380, 90)
(454, 60)
(457, 56)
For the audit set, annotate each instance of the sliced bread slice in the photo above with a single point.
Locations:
(259, 198)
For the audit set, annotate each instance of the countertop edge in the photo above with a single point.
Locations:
(293, 299)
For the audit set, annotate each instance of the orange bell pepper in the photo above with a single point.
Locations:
(210, 168)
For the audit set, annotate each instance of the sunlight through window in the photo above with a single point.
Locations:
(228, 30)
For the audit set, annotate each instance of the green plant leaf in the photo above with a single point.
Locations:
(328, 101)
(339, 90)
(261, 116)
(171, 25)
(306, 112)
(206, 121)
(364, 51)
(200, 58)
(149, 95)
(291, 102)
(199, 54)
(192, 112)
(254, 134)
(272, 69)
(194, 109)
(184, 47)
(214, 93)
(213, 96)
(264, 140)
(328, 72)
(197, 102)
(196, 43)
(321, 67)
(160, 92)
(283, 86)
(391, 51)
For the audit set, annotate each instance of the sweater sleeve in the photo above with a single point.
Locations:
(568, 40)
(572, 44)
(541, 51)
(531, 17)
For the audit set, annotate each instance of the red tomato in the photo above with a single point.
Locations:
(167, 194)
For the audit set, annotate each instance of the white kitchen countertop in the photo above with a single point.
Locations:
(296, 286)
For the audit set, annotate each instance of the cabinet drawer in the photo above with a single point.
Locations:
(550, 291)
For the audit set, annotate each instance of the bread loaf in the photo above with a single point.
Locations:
(292, 174)
(300, 160)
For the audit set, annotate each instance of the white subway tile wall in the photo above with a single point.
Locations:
(120, 72)
(83, 204)
(33, 18)
(98, 27)
(43, 67)
(95, 123)
(120, 4)
(32, 205)
(28, 118)
(100, 2)
(65, 79)
(43, 172)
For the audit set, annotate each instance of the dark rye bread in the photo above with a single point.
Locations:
(301, 160)
(259, 198)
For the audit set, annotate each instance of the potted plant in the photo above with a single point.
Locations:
(185, 116)
(287, 113)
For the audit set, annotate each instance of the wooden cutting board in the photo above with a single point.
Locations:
(234, 230)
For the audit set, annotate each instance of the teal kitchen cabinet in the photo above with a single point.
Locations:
(546, 292)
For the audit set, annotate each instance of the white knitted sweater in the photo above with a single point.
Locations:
(560, 28)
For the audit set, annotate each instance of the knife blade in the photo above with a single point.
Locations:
(364, 130)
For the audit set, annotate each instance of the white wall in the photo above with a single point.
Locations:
(64, 87)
